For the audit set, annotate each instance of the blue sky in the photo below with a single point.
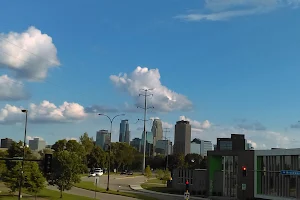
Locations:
(228, 66)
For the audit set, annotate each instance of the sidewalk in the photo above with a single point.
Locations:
(140, 189)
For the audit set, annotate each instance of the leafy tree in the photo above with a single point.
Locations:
(87, 142)
(59, 145)
(45, 151)
(16, 150)
(96, 158)
(203, 163)
(148, 172)
(193, 160)
(11, 177)
(3, 154)
(176, 161)
(68, 166)
(34, 180)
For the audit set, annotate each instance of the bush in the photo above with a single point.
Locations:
(167, 176)
(160, 174)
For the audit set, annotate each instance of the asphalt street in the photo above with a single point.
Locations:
(117, 182)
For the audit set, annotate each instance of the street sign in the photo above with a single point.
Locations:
(244, 186)
(96, 181)
(186, 195)
(290, 172)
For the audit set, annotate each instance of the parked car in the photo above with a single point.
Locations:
(129, 173)
(124, 172)
(96, 172)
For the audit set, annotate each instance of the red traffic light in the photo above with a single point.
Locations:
(244, 168)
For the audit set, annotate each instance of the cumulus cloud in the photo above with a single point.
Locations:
(196, 125)
(45, 112)
(32, 137)
(216, 10)
(259, 139)
(11, 89)
(163, 99)
(29, 54)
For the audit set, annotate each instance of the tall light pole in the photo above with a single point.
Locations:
(145, 108)
(24, 146)
(109, 145)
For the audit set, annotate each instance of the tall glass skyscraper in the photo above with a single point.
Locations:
(102, 138)
(157, 132)
(124, 135)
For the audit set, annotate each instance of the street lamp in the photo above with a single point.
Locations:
(109, 145)
(24, 146)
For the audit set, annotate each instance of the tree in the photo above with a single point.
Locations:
(34, 179)
(148, 172)
(87, 142)
(193, 160)
(59, 145)
(3, 154)
(11, 177)
(68, 166)
(96, 158)
(16, 150)
(45, 151)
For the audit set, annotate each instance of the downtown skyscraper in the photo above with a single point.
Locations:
(157, 132)
(124, 135)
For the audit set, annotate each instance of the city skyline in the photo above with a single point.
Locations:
(227, 67)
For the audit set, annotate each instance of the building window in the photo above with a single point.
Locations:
(191, 177)
(225, 145)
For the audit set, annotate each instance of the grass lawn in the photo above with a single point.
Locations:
(45, 195)
(90, 186)
(157, 185)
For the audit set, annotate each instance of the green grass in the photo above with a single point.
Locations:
(46, 194)
(90, 186)
(157, 185)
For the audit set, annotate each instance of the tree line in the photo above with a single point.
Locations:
(72, 158)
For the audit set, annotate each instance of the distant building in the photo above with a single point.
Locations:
(37, 144)
(136, 143)
(6, 142)
(49, 146)
(201, 146)
(157, 131)
(163, 147)
(124, 135)
(102, 138)
(149, 143)
(182, 140)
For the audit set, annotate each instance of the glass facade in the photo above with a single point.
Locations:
(225, 145)
(271, 182)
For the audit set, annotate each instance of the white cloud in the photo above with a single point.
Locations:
(164, 99)
(216, 10)
(72, 138)
(32, 137)
(30, 54)
(45, 112)
(196, 125)
(260, 139)
(11, 89)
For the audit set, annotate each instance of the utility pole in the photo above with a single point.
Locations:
(167, 130)
(145, 94)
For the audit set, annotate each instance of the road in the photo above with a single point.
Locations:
(117, 182)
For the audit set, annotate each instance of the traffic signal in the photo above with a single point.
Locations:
(48, 163)
(187, 185)
(244, 169)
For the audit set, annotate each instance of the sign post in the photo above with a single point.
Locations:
(186, 195)
(96, 183)
(290, 172)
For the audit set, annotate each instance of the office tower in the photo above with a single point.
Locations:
(124, 132)
(157, 131)
(201, 147)
(136, 143)
(182, 139)
(37, 144)
(6, 142)
(149, 143)
(163, 147)
(236, 142)
(102, 138)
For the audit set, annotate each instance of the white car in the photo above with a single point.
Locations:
(96, 172)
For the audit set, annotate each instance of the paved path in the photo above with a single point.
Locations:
(165, 195)
(91, 194)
